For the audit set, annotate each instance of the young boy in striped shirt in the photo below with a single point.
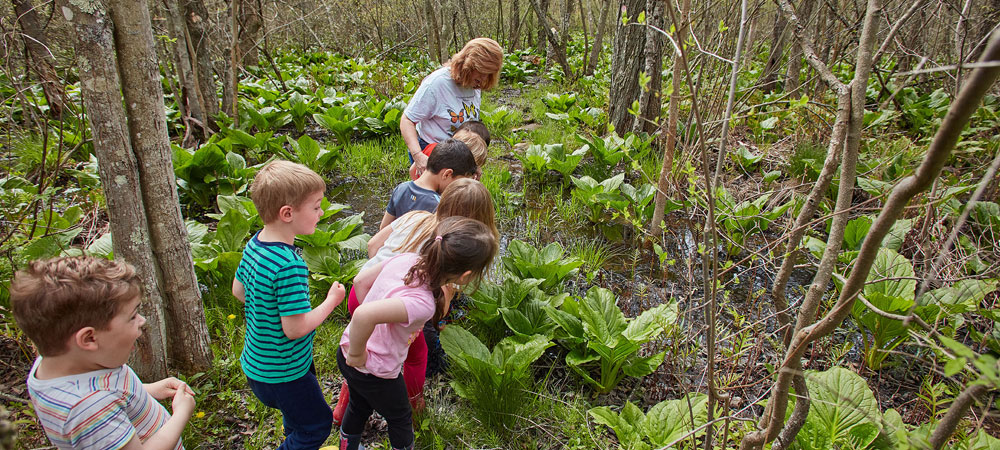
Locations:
(83, 316)
(273, 283)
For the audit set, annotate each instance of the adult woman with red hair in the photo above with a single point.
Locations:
(449, 97)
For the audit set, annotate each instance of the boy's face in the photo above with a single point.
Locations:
(116, 342)
(306, 215)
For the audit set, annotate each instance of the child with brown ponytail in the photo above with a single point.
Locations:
(398, 296)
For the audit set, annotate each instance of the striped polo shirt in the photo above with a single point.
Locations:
(103, 409)
(276, 282)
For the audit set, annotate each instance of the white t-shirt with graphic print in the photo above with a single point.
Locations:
(440, 106)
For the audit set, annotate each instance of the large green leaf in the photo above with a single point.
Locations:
(983, 441)
(568, 322)
(651, 322)
(460, 345)
(640, 367)
(523, 354)
(102, 247)
(855, 232)
(528, 319)
(627, 426)
(602, 319)
(670, 420)
(962, 296)
(841, 402)
(51, 245)
(232, 231)
(894, 239)
(896, 273)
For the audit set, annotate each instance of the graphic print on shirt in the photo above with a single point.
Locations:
(468, 112)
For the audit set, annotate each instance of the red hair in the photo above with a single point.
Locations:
(483, 55)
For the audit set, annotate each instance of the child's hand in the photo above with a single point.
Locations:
(356, 361)
(166, 388)
(335, 294)
(413, 172)
(183, 403)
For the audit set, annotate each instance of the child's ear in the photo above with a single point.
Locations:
(465, 278)
(446, 173)
(85, 339)
(285, 213)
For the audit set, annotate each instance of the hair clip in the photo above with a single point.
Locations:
(438, 238)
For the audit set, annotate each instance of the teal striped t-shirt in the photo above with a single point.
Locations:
(276, 282)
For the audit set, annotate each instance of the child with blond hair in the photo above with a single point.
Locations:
(273, 282)
(463, 198)
(475, 135)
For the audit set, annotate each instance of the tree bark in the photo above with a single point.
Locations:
(433, 36)
(251, 21)
(795, 58)
(231, 66)
(199, 38)
(734, 72)
(990, 19)
(541, 43)
(670, 126)
(118, 171)
(515, 26)
(956, 412)
(626, 60)
(769, 80)
(187, 333)
(555, 47)
(602, 25)
(464, 5)
(649, 100)
(937, 155)
(42, 62)
(567, 14)
(189, 99)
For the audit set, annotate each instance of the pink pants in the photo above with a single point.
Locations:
(415, 366)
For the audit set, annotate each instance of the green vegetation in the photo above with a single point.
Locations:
(586, 320)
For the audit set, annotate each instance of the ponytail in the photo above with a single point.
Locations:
(460, 244)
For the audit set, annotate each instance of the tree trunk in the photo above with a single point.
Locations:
(464, 4)
(118, 171)
(602, 25)
(41, 60)
(567, 14)
(541, 44)
(626, 60)
(187, 333)
(769, 80)
(189, 98)
(515, 26)
(851, 100)
(231, 66)
(433, 35)
(199, 37)
(990, 19)
(795, 57)
(555, 48)
(251, 21)
(670, 126)
(649, 101)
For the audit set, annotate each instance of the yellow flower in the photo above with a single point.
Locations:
(231, 316)
(200, 414)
